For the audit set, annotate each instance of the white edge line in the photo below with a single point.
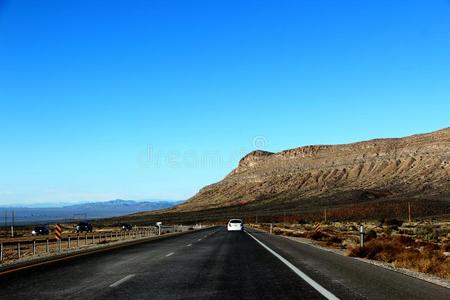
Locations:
(305, 277)
(118, 282)
(171, 253)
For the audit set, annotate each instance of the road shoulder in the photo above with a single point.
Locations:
(422, 276)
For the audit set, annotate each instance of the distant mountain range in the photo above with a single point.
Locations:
(91, 210)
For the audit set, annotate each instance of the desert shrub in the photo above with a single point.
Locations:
(429, 248)
(380, 223)
(277, 230)
(393, 227)
(406, 231)
(388, 230)
(393, 222)
(446, 247)
(308, 227)
(299, 234)
(402, 252)
(288, 233)
(405, 240)
(356, 251)
(429, 233)
(424, 230)
(335, 240)
(444, 231)
(316, 235)
(370, 235)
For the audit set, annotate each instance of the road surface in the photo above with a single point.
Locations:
(215, 264)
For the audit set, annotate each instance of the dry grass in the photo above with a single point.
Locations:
(425, 249)
(404, 252)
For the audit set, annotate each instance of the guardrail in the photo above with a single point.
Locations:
(11, 252)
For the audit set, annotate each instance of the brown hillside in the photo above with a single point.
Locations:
(414, 166)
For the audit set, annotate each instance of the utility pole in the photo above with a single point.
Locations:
(12, 224)
(409, 212)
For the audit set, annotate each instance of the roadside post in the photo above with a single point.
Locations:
(34, 247)
(159, 224)
(361, 236)
(46, 246)
(18, 250)
(58, 235)
(271, 228)
(317, 227)
(1, 252)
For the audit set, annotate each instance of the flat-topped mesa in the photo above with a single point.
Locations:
(253, 158)
(409, 167)
(257, 157)
(306, 151)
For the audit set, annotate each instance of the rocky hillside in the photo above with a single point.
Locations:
(410, 167)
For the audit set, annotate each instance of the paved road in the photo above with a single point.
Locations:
(214, 264)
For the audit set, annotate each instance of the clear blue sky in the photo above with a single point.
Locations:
(142, 99)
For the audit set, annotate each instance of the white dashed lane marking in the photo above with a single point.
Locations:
(119, 282)
(171, 253)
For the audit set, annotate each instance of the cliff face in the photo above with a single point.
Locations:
(415, 166)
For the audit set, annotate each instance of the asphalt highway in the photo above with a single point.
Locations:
(215, 264)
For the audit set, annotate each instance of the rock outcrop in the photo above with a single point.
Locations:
(414, 166)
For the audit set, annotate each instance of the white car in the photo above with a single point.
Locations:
(235, 225)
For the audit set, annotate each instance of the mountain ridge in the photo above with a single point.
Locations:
(409, 167)
(89, 210)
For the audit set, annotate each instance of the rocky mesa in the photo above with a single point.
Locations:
(412, 167)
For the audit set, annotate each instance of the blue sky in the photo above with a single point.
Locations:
(155, 99)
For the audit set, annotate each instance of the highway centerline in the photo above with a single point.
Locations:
(297, 271)
(119, 282)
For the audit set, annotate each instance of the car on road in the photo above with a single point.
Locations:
(40, 230)
(235, 225)
(83, 227)
(126, 227)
